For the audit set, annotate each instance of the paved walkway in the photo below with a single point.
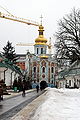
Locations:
(28, 112)
(16, 103)
(12, 93)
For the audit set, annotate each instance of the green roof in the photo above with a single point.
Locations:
(7, 64)
(74, 69)
(12, 67)
(62, 73)
(3, 65)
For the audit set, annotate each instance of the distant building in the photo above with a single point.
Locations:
(21, 61)
(70, 77)
(8, 71)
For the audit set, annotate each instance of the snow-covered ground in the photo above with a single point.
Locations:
(60, 104)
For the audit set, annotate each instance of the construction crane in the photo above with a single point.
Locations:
(9, 16)
(24, 44)
(18, 19)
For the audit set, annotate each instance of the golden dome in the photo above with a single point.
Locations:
(41, 40)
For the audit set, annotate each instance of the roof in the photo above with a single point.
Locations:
(7, 64)
(3, 65)
(74, 69)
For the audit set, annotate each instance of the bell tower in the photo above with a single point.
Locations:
(40, 46)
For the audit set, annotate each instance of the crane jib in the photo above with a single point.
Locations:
(14, 18)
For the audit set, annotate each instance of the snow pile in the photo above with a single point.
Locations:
(60, 104)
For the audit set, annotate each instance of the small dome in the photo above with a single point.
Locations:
(41, 27)
(41, 38)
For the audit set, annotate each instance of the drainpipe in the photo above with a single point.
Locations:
(4, 73)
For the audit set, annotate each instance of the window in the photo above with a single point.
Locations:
(52, 76)
(34, 69)
(43, 69)
(41, 50)
(41, 33)
(37, 50)
(52, 69)
(69, 82)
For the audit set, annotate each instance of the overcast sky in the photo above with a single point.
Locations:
(51, 10)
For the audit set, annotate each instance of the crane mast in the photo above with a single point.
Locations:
(18, 19)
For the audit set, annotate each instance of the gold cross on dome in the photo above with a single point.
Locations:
(41, 19)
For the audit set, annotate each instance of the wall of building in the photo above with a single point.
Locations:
(8, 77)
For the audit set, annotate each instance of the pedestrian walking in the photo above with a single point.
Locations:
(23, 89)
(1, 93)
(37, 88)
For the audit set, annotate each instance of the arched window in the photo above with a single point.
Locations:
(43, 69)
(34, 69)
(41, 50)
(41, 33)
(37, 50)
(52, 70)
(69, 82)
(52, 76)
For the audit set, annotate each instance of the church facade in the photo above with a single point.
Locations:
(40, 66)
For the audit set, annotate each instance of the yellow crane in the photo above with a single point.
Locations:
(25, 44)
(18, 19)
(9, 16)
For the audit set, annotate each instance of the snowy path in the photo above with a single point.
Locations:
(60, 104)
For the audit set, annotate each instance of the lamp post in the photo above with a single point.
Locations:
(29, 66)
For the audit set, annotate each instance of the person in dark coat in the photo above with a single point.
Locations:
(23, 89)
(1, 93)
(37, 88)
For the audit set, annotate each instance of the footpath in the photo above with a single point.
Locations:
(27, 112)
(12, 93)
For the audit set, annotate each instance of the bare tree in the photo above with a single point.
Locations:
(68, 37)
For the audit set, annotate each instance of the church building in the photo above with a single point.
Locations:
(40, 66)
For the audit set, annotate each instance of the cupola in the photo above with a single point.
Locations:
(41, 40)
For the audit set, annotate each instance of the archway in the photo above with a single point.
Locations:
(43, 85)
